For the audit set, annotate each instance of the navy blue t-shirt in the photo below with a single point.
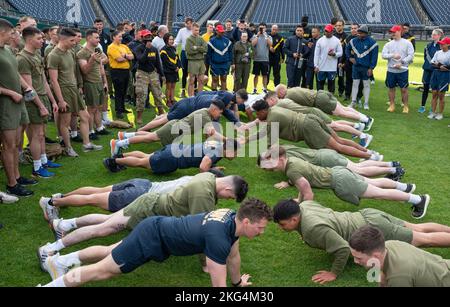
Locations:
(192, 155)
(212, 234)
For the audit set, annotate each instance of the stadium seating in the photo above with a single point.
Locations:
(133, 10)
(438, 11)
(392, 12)
(54, 10)
(291, 11)
(190, 8)
(233, 9)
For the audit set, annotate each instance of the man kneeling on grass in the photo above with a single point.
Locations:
(399, 264)
(199, 195)
(215, 234)
(347, 185)
(329, 230)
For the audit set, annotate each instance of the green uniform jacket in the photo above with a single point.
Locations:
(193, 54)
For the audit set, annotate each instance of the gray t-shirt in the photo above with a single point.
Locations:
(262, 49)
(169, 186)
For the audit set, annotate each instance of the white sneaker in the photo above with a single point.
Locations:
(7, 199)
(57, 196)
(71, 153)
(54, 267)
(372, 82)
(43, 253)
(50, 212)
(431, 116)
(377, 157)
(439, 117)
(369, 140)
(362, 127)
(366, 107)
(91, 147)
(352, 105)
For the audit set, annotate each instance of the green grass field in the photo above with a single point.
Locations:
(276, 258)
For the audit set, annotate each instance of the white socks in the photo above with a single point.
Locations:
(37, 165)
(414, 199)
(363, 136)
(57, 283)
(73, 134)
(44, 159)
(402, 186)
(55, 247)
(130, 135)
(122, 144)
(363, 118)
(68, 225)
(70, 260)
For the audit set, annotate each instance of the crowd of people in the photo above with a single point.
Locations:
(52, 76)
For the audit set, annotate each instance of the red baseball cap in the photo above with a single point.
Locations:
(220, 29)
(329, 28)
(396, 29)
(445, 41)
(145, 33)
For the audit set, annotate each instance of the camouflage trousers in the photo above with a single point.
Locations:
(144, 82)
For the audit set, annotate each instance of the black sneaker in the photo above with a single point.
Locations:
(25, 181)
(420, 210)
(77, 139)
(19, 191)
(103, 132)
(93, 137)
(411, 188)
(396, 164)
(111, 165)
(369, 124)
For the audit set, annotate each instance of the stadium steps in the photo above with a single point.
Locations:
(99, 12)
(251, 9)
(421, 12)
(5, 5)
(164, 16)
(169, 14)
(336, 9)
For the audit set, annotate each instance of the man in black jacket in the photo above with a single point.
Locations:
(149, 71)
(309, 71)
(348, 66)
(296, 52)
(276, 55)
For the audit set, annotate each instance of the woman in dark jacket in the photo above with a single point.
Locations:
(171, 66)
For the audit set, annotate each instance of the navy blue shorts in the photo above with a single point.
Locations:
(163, 162)
(125, 193)
(324, 75)
(141, 246)
(397, 80)
(440, 80)
(426, 79)
(181, 109)
(360, 73)
(261, 68)
(219, 70)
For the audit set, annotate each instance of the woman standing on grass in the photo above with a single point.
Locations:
(440, 78)
(171, 66)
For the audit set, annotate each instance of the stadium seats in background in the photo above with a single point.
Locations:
(233, 9)
(133, 10)
(291, 11)
(438, 10)
(190, 8)
(55, 10)
(392, 12)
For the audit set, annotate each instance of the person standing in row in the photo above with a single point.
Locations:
(242, 61)
(326, 56)
(181, 39)
(119, 60)
(196, 49)
(276, 55)
(262, 42)
(171, 66)
(296, 51)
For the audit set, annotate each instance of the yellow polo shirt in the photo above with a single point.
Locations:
(115, 52)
